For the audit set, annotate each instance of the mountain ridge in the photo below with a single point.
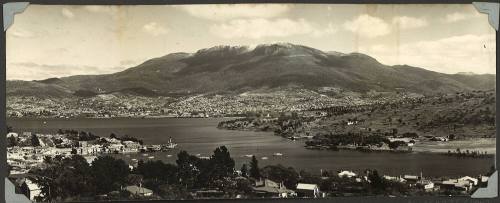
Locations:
(241, 68)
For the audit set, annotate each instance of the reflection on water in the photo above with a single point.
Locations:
(200, 136)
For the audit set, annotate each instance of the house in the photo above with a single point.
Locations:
(456, 184)
(12, 134)
(31, 189)
(139, 190)
(393, 178)
(484, 181)
(427, 185)
(268, 188)
(90, 159)
(132, 144)
(307, 190)
(472, 180)
(411, 179)
(348, 174)
(115, 148)
(82, 143)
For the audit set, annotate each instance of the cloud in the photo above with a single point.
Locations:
(260, 27)
(456, 16)
(101, 9)
(35, 71)
(228, 11)
(155, 29)
(464, 53)
(405, 22)
(367, 26)
(129, 63)
(20, 33)
(67, 13)
(113, 11)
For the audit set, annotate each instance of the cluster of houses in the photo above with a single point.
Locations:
(266, 188)
(24, 157)
(462, 184)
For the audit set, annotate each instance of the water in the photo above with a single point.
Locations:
(200, 136)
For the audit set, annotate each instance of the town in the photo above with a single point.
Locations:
(401, 125)
(28, 150)
(203, 105)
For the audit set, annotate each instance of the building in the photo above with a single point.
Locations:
(427, 185)
(456, 184)
(131, 144)
(348, 174)
(268, 188)
(12, 134)
(411, 179)
(473, 181)
(31, 189)
(139, 190)
(82, 144)
(307, 190)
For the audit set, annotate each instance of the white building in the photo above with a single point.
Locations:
(34, 189)
(472, 180)
(348, 174)
(308, 190)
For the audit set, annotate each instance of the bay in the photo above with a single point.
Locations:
(200, 136)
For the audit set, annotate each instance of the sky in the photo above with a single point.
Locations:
(48, 41)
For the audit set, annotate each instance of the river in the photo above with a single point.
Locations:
(201, 136)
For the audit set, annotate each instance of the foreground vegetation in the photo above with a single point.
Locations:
(74, 179)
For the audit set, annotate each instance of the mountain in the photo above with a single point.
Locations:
(239, 69)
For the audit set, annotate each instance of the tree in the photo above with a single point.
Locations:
(35, 142)
(157, 170)
(223, 164)
(278, 173)
(65, 178)
(376, 181)
(12, 141)
(109, 173)
(173, 192)
(134, 179)
(187, 169)
(254, 168)
(244, 170)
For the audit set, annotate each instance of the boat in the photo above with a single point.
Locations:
(277, 154)
(151, 157)
(134, 159)
(169, 145)
(248, 155)
(169, 155)
(145, 155)
(264, 158)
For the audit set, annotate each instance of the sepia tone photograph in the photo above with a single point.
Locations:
(250, 101)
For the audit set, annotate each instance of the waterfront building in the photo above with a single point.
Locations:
(348, 174)
(139, 190)
(307, 190)
(268, 188)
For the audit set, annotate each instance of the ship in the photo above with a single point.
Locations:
(169, 145)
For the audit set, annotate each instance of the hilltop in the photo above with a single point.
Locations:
(237, 69)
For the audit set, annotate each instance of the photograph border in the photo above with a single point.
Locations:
(166, 2)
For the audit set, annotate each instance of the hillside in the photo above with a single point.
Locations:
(240, 69)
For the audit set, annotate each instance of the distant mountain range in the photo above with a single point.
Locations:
(235, 69)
